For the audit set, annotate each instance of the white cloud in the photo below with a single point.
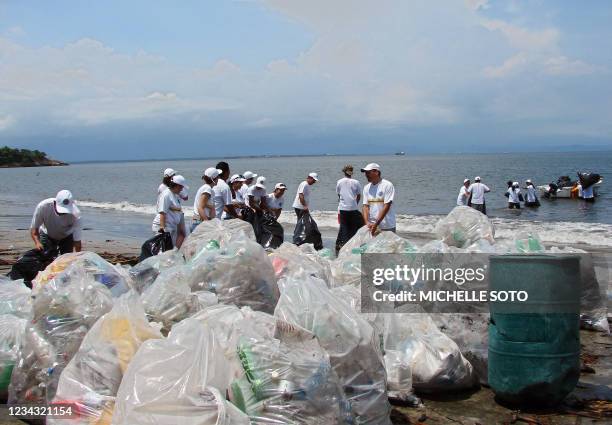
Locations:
(6, 121)
(562, 65)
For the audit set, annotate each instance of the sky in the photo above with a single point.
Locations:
(194, 79)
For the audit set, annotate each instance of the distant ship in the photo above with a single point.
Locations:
(400, 153)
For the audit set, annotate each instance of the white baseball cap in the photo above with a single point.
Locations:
(169, 172)
(477, 178)
(212, 172)
(236, 178)
(178, 179)
(371, 166)
(260, 184)
(466, 180)
(515, 184)
(315, 176)
(528, 181)
(249, 175)
(261, 179)
(64, 202)
(280, 186)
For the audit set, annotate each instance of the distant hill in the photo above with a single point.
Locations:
(10, 157)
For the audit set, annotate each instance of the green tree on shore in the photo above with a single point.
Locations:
(10, 156)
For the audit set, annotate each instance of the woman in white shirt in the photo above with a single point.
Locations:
(464, 195)
(169, 216)
(204, 205)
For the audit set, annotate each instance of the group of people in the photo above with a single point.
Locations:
(473, 194)
(240, 195)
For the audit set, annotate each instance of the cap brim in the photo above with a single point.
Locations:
(63, 209)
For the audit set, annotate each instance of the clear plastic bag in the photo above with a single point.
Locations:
(352, 343)
(463, 226)
(83, 263)
(15, 298)
(12, 332)
(356, 243)
(91, 380)
(241, 274)
(144, 273)
(289, 259)
(214, 231)
(177, 380)
(63, 311)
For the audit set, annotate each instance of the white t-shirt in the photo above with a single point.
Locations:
(304, 188)
(255, 192)
(210, 205)
(222, 196)
(531, 194)
(478, 190)
(348, 189)
(238, 197)
(168, 203)
(275, 203)
(56, 226)
(243, 191)
(513, 195)
(376, 196)
(463, 196)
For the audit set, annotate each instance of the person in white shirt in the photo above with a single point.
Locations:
(56, 224)
(276, 199)
(587, 194)
(168, 174)
(477, 191)
(203, 205)
(349, 217)
(256, 196)
(235, 184)
(249, 177)
(378, 196)
(301, 203)
(531, 197)
(514, 196)
(464, 195)
(224, 209)
(170, 216)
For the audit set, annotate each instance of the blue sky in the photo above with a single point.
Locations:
(154, 79)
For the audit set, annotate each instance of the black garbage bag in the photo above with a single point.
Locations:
(271, 232)
(588, 179)
(307, 231)
(158, 243)
(30, 263)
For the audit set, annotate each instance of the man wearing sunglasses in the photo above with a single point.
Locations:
(56, 224)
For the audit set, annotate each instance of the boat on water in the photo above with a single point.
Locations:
(564, 188)
(400, 153)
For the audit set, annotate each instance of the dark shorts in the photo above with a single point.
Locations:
(350, 222)
(590, 200)
(64, 246)
(513, 205)
(480, 207)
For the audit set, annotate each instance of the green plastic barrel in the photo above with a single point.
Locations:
(534, 346)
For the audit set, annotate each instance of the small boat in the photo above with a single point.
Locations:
(564, 192)
(400, 153)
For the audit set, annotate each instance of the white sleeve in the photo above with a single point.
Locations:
(228, 196)
(357, 189)
(301, 187)
(365, 196)
(37, 217)
(76, 230)
(486, 188)
(338, 187)
(469, 189)
(163, 203)
(389, 193)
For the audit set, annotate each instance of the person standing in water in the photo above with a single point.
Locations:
(531, 197)
(477, 191)
(514, 192)
(464, 195)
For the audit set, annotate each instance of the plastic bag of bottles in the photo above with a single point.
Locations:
(239, 273)
(217, 231)
(91, 380)
(177, 380)
(352, 343)
(463, 226)
(144, 273)
(15, 298)
(64, 309)
(12, 332)
(84, 263)
(289, 258)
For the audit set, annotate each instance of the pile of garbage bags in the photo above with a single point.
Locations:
(224, 332)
